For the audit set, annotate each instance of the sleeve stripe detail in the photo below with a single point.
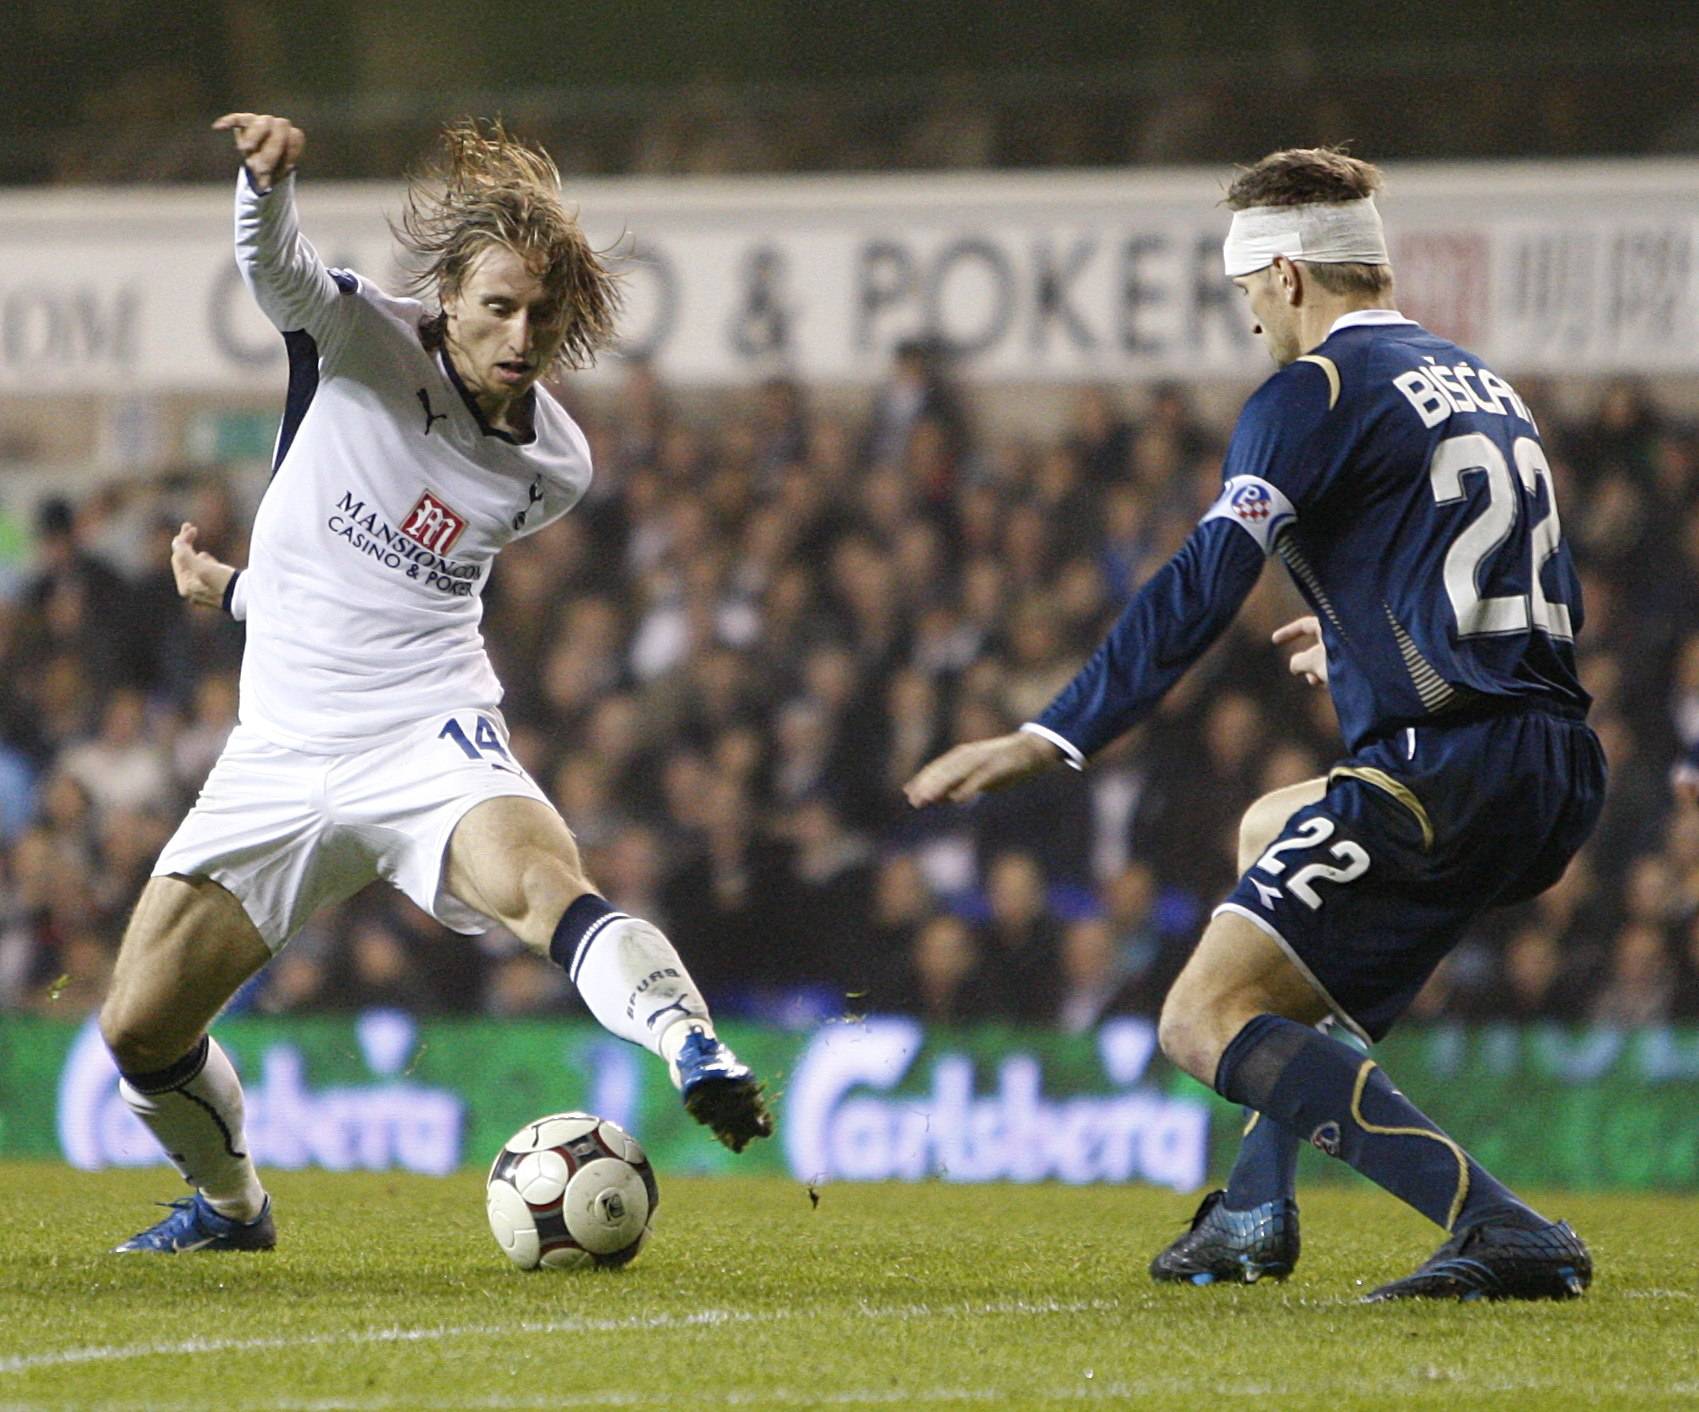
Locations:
(1070, 751)
(1328, 366)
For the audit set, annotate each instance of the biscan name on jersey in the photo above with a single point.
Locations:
(431, 523)
(1436, 391)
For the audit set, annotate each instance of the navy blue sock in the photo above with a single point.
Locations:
(1344, 1104)
(172, 1075)
(577, 925)
(1267, 1166)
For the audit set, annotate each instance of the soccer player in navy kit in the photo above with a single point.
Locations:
(1403, 485)
(415, 444)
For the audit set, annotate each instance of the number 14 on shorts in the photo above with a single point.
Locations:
(483, 743)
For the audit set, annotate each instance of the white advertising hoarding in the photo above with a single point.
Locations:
(1541, 268)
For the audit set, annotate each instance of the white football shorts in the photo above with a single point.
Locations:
(288, 833)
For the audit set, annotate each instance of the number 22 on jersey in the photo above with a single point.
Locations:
(1478, 616)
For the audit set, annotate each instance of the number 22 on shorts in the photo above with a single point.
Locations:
(1313, 832)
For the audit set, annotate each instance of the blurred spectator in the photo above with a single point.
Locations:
(1094, 981)
(198, 744)
(917, 421)
(824, 897)
(79, 603)
(122, 768)
(1534, 983)
(947, 983)
(1020, 941)
(1639, 987)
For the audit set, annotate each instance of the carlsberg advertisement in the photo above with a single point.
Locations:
(880, 1098)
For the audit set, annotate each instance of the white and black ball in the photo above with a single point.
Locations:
(571, 1191)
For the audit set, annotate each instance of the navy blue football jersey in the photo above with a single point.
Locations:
(1404, 486)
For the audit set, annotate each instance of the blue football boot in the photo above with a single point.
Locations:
(1232, 1247)
(194, 1225)
(1514, 1257)
(721, 1092)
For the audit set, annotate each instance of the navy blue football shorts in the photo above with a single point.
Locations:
(1418, 833)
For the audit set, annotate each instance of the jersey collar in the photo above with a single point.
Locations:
(1360, 317)
(528, 406)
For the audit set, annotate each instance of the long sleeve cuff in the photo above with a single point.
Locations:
(236, 597)
(1070, 752)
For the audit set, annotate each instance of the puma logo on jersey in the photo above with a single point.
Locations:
(433, 524)
(430, 416)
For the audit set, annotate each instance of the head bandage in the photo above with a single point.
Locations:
(1325, 233)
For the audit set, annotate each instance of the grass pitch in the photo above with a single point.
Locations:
(387, 1292)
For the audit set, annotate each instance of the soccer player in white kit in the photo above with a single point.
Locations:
(415, 444)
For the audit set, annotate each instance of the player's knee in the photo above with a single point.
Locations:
(1183, 1032)
(545, 885)
(138, 1042)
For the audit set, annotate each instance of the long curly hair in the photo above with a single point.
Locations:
(483, 187)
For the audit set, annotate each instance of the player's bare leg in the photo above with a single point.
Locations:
(188, 947)
(1239, 1017)
(1236, 974)
(514, 859)
(1248, 1230)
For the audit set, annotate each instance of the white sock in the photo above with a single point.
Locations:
(197, 1117)
(634, 983)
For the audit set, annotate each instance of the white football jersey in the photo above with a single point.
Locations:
(388, 501)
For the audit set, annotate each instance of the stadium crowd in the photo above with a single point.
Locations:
(724, 664)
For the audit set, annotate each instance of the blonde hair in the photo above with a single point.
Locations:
(484, 187)
(1303, 176)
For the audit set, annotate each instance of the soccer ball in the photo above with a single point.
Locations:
(569, 1191)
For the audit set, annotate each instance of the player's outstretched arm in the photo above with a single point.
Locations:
(969, 770)
(1309, 661)
(271, 147)
(200, 578)
(1171, 622)
(288, 280)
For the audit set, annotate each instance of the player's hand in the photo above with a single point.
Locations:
(1310, 660)
(200, 578)
(967, 771)
(270, 147)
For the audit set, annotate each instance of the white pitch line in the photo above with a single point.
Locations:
(112, 1353)
(1122, 1391)
(740, 1397)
